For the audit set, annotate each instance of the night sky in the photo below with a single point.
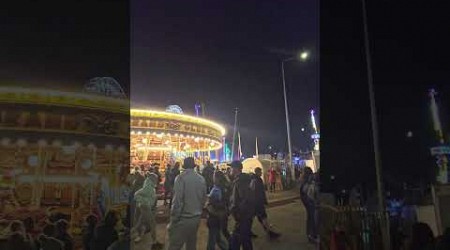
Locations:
(410, 55)
(219, 52)
(61, 46)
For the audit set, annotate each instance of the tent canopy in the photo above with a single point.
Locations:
(250, 164)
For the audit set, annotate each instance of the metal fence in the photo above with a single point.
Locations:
(352, 228)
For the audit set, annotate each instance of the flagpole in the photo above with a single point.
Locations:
(234, 133)
(257, 152)
(435, 114)
(442, 164)
(239, 146)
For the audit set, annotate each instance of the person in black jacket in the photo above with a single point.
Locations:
(308, 196)
(208, 172)
(105, 233)
(167, 184)
(63, 235)
(89, 230)
(18, 238)
(261, 202)
(242, 208)
(174, 172)
(47, 241)
(123, 243)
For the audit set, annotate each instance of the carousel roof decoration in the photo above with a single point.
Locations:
(106, 86)
(18, 95)
(155, 114)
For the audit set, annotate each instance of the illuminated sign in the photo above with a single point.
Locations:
(441, 150)
(315, 136)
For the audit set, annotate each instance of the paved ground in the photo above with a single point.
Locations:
(288, 219)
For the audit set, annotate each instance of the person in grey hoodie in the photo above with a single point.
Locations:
(187, 208)
(145, 199)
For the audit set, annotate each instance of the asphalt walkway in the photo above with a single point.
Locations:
(274, 199)
(289, 219)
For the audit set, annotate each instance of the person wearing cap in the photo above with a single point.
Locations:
(242, 208)
(208, 172)
(187, 207)
(261, 202)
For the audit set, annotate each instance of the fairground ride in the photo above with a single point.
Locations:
(61, 149)
(164, 137)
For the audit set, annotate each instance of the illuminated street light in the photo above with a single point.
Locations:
(304, 55)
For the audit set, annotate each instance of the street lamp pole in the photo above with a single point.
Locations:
(375, 136)
(288, 127)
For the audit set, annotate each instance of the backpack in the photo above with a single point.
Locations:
(253, 184)
(309, 190)
(217, 208)
(249, 201)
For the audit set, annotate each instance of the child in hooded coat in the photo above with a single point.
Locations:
(145, 200)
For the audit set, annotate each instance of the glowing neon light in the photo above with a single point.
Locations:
(179, 117)
(155, 148)
(313, 121)
(63, 99)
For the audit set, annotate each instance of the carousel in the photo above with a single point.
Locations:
(60, 150)
(165, 137)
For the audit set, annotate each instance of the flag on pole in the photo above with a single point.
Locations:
(313, 121)
(435, 115)
(257, 153)
(239, 146)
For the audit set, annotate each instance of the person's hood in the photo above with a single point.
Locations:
(151, 181)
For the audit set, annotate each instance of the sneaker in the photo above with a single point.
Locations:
(254, 235)
(312, 239)
(134, 234)
(274, 235)
(137, 239)
(157, 245)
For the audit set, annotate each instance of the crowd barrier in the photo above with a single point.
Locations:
(347, 227)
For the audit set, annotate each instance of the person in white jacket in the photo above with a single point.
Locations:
(145, 199)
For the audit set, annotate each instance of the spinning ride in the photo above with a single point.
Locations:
(165, 137)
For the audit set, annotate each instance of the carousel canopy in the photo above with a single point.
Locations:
(156, 132)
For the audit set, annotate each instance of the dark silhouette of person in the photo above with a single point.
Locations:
(242, 208)
(105, 234)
